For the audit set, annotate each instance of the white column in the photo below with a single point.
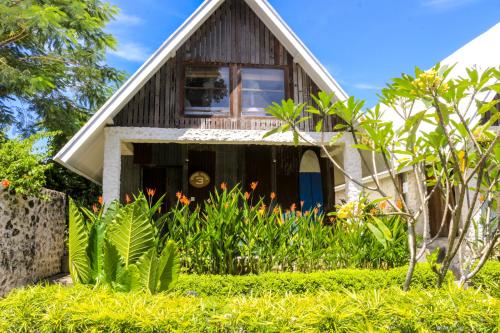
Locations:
(111, 167)
(352, 166)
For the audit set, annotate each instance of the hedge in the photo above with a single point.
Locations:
(82, 309)
(332, 281)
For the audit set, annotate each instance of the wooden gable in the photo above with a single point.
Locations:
(233, 34)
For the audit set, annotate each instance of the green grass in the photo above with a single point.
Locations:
(81, 309)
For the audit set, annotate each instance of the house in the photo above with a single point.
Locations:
(482, 52)
(193, 116)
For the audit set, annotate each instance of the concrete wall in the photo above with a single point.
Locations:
(31, 238)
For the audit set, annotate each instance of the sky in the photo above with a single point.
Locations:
(363, 43)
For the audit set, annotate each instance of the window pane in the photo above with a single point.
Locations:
(260, 88)
(206, 90)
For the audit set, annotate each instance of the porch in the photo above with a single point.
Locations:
(195, 161)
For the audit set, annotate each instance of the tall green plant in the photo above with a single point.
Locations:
(121, 247)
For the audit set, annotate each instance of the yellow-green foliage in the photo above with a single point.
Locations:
(298, 283)
(83, 309)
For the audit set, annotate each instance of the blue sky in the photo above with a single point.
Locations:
(363, 43)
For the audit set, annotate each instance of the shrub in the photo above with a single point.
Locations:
(488, 278)
(62, 309)
(298, 283)
(235, 233)
(23, 164)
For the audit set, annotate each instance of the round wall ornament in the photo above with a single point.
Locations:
(199, 179)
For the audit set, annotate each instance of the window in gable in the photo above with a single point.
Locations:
(260, 88)
(206, 90)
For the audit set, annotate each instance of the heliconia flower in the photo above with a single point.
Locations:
(94, 208)
(151, 192)
(5, 183)
(299, 213)
(100, 200)
(293, 207)
(127, 199)
(276, 210)
(254, 185)
(399, 204)
(178, 195)
(223, 186)
(247, 195)
(316, 210)
(273, 195)
(262, 209)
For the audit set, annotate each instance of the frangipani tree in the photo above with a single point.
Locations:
(434, 127)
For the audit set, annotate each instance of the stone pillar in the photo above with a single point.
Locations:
(111, 166)
(352, 166)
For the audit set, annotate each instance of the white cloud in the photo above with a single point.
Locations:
(127, 20)
(445, 4)
(131, 51)
(366, 86)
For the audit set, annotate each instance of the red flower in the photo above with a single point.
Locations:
(127, 199)
(399, 204)
(185, 201)
(100, 200)
(178, 195)
(293, 207)
(94, 208)
(223, 186)
(247, 195)
(254, 185)
(151, 192)
(5, 183)
(273, 195)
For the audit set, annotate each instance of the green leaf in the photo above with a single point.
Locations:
(79, 265)
(385, 230)
(169, 267)
(112, 263)
(148, 271)
(131, 233)
(378, 234)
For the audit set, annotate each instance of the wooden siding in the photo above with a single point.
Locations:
(232, 35)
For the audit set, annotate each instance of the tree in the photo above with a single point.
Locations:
(446, 143)
(52, 69)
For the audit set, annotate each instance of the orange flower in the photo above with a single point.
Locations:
(374, 211)
(301, 203)
(262, 209)
(247, 195)
(481, 198)
(299, 213)
(5, 183)
(316, 210)
(185, 201)
(307, 213)
(127, 199)
(178, 195)
(94, 208)
(100, 200)
(151, 192)
(254, 185)
(276, 210)
(399, 204)
(223, 186)
(383, 205)
(293, 207)
(273, 195)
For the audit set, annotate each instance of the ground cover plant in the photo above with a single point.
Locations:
(235, 232)
(81, 308)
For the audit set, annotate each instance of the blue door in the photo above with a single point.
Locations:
(310, 183)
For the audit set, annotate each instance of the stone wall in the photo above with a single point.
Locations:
(31, 238)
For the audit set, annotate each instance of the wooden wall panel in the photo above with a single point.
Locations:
(233, 34)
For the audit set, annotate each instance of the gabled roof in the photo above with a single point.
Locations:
(83, 154)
